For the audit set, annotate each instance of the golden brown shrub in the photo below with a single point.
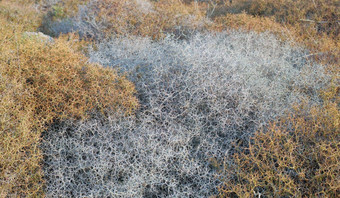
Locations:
(298, 156)
(42, 81)
(286, 11)
(20, 16)
(247, 22)
(48, 71)
(20, 172)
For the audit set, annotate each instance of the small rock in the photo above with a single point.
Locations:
(39, 35)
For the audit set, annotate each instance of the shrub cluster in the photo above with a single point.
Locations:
(248, 22)
(322, 13)
(101, 19)
(196, 96)
(314, 24)
(126, 158)
(15, 16)
(201, 97)
(297, 156)
(42, 81)
(18, 175)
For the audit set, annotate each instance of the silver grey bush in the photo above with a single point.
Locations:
(197, 97)
(236, 80)
(86, 22)
(89, 22)
(125, 158)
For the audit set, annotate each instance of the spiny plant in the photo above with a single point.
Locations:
(57, 16)
(104, 19)
(296, 156)
(323, 13)
(18, 175)
(20, 15)
(41, 82)
(47, 71)
(197, 96)
(314, 24)
(248, 22)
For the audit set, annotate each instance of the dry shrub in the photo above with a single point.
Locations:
(62, 82)
(19, 154)
(40, 82)
(297, 156)
(314, 24)
(285, 11)
(20, 172)
(247, 22)
(101, 19)
(58, 15)
(197, 96)
(20, 15)
(77, 43)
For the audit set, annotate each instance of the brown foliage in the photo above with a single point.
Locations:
(247, 22)
(19, 17)
(42, 81)
(298, 156)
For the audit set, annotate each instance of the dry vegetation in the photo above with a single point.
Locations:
(297, 156)
(107, 18)
(196, 96)
(48, 86)
(314, 24)
(43, 81)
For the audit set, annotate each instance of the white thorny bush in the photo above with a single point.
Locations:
(197, 96)
(91, 21)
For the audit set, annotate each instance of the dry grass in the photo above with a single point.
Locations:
(297, 156)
